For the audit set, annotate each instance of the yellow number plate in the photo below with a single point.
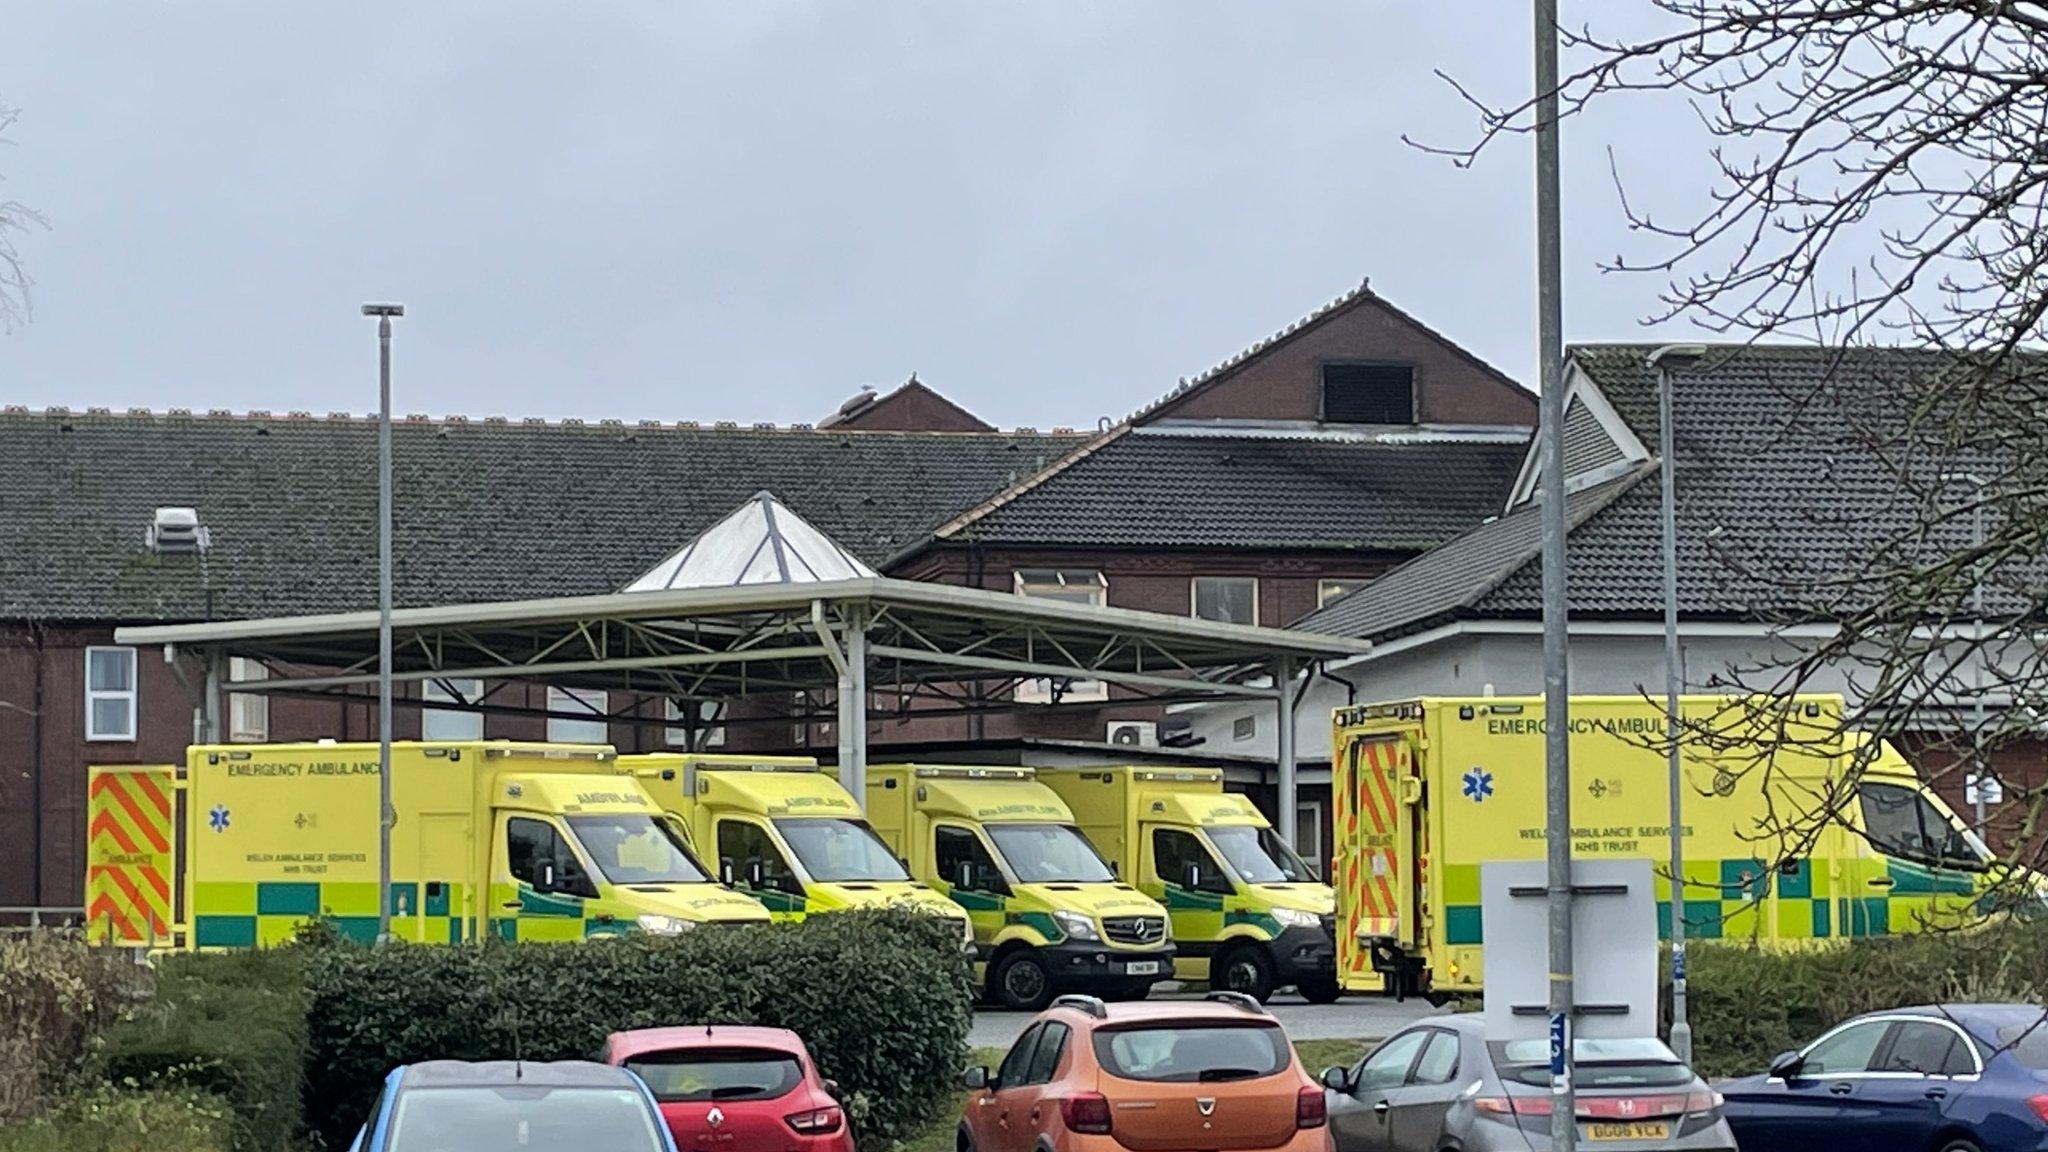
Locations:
(1660, 1130)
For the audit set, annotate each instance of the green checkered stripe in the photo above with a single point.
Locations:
(1807, 905)
(264, 913)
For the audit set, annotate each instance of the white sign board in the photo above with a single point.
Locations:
(1614, 948)
(1983, 790)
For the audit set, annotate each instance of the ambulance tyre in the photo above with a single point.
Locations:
(1319, 991)
(1245, 968)
(1021, 983)
(1959, 1145)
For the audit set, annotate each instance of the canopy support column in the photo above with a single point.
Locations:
(853, 707)
(1283, 683)
(209, 703)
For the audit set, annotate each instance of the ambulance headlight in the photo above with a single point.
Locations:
(1296, 918)
(1075, 925)
(665, 925)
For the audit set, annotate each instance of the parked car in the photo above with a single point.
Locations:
(729, 1086)
(1947, 1078)
(456, 1106)
(1441, 1084)
(1194, 1075)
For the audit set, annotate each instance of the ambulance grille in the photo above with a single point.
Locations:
(1134, 929)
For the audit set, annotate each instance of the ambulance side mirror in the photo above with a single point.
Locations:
(965, 880)
(546, 883)
(1192, 881)
(725, 872)
(756, 874)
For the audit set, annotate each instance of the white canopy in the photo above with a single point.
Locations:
(761, 542)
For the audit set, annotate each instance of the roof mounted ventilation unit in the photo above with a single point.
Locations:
(176, 530)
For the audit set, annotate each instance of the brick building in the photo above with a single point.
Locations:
(1314, 461)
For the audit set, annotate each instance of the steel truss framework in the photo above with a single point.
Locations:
(785, 652)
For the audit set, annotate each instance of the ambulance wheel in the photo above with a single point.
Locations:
(1022, 984)
(1245, 969)
(1959, 1146)
(1320, 991)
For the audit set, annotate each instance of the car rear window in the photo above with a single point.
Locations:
(496, 1119)
(1192, 1052)
(1596, 1063)
(717, 1073)
(2027, 1041)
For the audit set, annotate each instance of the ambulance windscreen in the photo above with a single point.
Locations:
(1049, 854)
(1259, 856)
(635, 848)
(836, 851)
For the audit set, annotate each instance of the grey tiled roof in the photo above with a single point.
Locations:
(1447, 582)
(1776, 497)
(1163, 487)
(486, 510)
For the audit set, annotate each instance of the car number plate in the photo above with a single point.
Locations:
(1660, 1130)
(1142, 968)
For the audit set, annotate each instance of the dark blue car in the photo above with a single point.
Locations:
(511, 1106)
(1948, 1078)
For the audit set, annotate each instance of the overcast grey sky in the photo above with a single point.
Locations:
(744, 211)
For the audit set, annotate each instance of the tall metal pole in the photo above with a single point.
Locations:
(1977, 660)
(1667, 467)
(1283, 752)
(385, 816)
(1564, 1129)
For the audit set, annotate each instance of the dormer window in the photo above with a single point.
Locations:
(1368, 394)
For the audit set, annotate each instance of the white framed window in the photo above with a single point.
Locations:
(1073, 586)
(1308, 835)
(248, 712)
(1329, 591)
(110, 693)
(451, 723)
(580, 701)
(1226, 599)
(712, 732)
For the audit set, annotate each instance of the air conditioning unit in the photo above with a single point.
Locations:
(176, 530)
(1134, 733)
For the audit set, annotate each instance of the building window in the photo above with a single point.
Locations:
(1244, 727)
(248, 712)
(1368, 394)
(1330, 591)
(1073, 586)
(1227, 599)
(581, 701)
(451, 723)
(710, 732)
(110, 693)
(1308, 835)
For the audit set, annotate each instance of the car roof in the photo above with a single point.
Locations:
(507, 1073)
(1983, 1019)
(1165, 1012)
(639, 1041)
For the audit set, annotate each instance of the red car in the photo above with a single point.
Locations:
(730, 1088)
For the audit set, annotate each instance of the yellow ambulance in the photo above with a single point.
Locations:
(785, 833)
(246, 842)
(1049, 915)
(1248, 915)
(1428, 790)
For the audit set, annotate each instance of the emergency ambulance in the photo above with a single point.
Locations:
(245, 843)
(785, 833)
(1248, 915)
(1778, 848)
(1049, 915)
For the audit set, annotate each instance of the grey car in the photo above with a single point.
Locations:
(1440, 1084)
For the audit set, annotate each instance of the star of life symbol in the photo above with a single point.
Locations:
(218, 818)
(1478, 785)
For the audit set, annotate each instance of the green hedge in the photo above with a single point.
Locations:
(229, 1025)
(57, 998)
(108, 1118)
(1748, 1004)
(881, 998)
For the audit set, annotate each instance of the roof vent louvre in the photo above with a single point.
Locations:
(175, 530)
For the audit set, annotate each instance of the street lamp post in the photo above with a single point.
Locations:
(1978, 773)
(384, 313)
(1664, 360)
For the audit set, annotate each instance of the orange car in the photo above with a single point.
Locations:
(1214, 1074)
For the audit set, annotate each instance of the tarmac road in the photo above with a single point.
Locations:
(1353, 1017)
